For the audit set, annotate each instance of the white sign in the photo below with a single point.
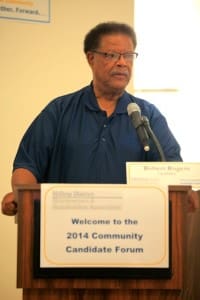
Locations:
(27, 10)
(163, 173)
(104, 226)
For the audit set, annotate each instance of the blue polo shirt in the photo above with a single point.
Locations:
(73, 141)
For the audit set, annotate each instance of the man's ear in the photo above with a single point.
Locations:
(90, 57)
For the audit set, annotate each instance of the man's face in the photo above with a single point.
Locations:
(112, 75)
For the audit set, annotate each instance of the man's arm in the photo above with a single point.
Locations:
(19, 176)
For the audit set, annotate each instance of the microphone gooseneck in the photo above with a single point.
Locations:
(154, 138)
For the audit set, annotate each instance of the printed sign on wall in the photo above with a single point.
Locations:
(26, 10)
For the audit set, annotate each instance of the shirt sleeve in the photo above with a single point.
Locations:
(37, 143)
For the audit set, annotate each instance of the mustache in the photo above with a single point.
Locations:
(124, 73)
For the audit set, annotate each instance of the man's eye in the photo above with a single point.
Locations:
(110, 55)
(128, 55)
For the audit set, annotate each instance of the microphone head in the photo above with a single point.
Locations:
(133, 107)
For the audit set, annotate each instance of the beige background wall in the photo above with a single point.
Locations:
(40, 62)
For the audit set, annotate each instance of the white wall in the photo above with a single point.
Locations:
(169, 47)
(38, 63)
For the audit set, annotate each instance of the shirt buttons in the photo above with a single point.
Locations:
(103, 139)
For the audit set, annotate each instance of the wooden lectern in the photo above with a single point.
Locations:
(174, 288)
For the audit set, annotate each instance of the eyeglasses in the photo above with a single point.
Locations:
(114, 56)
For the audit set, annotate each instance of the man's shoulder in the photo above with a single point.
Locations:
(66, 99)
(147, 108)
(65, 102)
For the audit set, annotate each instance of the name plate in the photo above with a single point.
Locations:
(163, 173)
(104, 226)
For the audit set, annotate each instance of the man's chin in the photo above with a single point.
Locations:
(120, 86)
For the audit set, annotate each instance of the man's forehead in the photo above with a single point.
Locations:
(115, 39)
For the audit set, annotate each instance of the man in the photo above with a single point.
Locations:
(87, 136)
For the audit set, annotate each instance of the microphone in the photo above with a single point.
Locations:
(134, 113)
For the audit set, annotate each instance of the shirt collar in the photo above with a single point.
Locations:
(122, 104)
(91, 101)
